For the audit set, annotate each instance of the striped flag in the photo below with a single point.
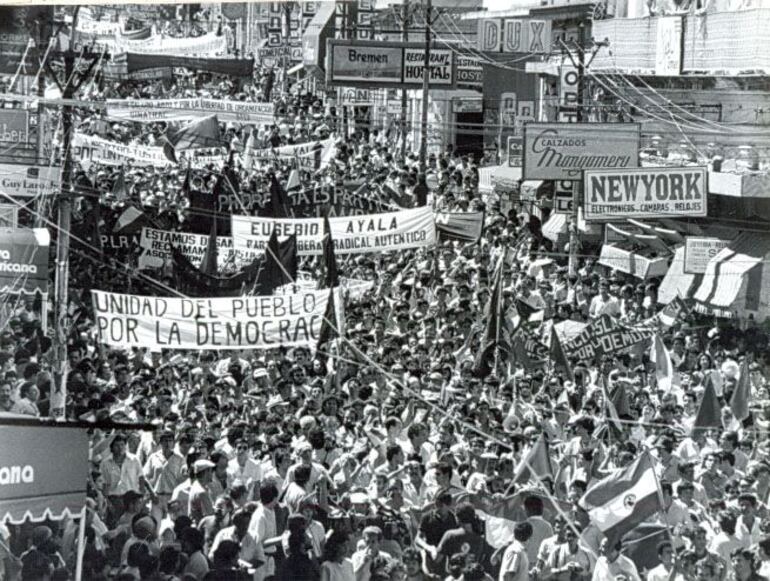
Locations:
(197, 134)
(619, 503)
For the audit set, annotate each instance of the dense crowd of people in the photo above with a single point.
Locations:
(388, 453)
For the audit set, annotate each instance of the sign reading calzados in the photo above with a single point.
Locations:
(645, 193)
(561, 151)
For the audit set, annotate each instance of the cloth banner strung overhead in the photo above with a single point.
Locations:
(311, 154)
(208, 45)
(153, 110)
(414, 228)
(128, 63)
(604, 335)
(24, 260)
(465, 226)
(92, 149)
(247, 322)
(41, 472)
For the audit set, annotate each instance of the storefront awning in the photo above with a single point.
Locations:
(632, 263)
(640, 240)
(42, 472)
(507, 178)
(555, 226)
(24, 260)
(677, 282)
(668, 235)
(734, 281)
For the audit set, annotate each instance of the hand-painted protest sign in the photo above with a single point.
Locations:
(414, 228)
(91, 149)
(604, 335)
(460, 225)
(207, 45)
(248, 322)
(311, 154)
(153, 110)
(156, 249)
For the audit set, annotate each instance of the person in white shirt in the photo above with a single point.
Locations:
(262, 529)
(244, 469)
(612, 566)
(238, 533)
(604, 303)
(747, 526)
(515, 564)
(663, 571)
(725, 542)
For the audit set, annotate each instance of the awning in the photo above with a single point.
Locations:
(733, 280)
(640, 240)
(555, 226)
(632, 263)
(677, 282)
(670, 236)
(24, 260)
(42, 472)
(530, 188)
(296, 69)
(507, 178)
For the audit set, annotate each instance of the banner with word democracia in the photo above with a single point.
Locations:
(156, 249)
(604, 335)
(648, 192)
(413, 228)
(249, 322)
(153, 110)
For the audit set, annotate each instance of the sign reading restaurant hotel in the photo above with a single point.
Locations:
(645, 193)
(562, 151)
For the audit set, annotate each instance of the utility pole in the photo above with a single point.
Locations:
(425, 89)
(68, 88)
(405, 38)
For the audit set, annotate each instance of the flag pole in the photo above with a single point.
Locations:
(81, 545)
(663, 510)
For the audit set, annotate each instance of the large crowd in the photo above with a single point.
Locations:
(365, 459)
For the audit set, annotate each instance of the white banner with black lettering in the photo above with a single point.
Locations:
(257, 322)
(207, 45)
(156, 249)
(91, 149)
(311, 154)
(152, 110)
(413, 228)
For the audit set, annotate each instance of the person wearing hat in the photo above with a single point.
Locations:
(369, 558)
(200, 503)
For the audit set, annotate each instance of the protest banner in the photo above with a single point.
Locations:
(132, 62)
(208, 45)
(414, 228)
(649, 192)
(460, 225)
(114, 72)
(154, 110)
(92, 149)
(156, 249)
(347, 199)
(247, 322)
(604, 335)
(311, 154)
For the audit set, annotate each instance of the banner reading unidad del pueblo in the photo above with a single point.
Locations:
(412, 228)
(255, 322)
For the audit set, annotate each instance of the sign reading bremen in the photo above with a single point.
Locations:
(380, 64)
(561, 151)
(645, 193)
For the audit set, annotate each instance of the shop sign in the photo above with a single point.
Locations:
(366, 63)
(698, 251)
(467, 105)
(440, 66)
(645, 193)
(668, 46)
(515, 150)
(14, 126)
(562, 151)
(514, 35)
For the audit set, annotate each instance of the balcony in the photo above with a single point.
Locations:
(714, 43)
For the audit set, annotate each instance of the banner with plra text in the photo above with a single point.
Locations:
(249, 322)
(153, 110)
(156, 249)
(604, 335)
(91, 149)
(413, 228)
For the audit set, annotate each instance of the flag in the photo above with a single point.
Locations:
(279, 202)
(527, 313)
(709, 411)
(558, 358)
(119, 188)
(330, 276)
(494, 337)
(536, 465)
(131, 221)
(293, 183)
(668, 378)
(209, 262)
(739, 402)
(421, 190)
(329, 328)
(280, 265)
(199, 134)
(622, 501)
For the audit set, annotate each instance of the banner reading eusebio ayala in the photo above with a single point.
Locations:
(411, 228)
(255, 322)
(645, 193)
(153, 110)
(561, 151)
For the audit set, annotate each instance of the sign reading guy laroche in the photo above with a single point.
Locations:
(645, 193)
(562, 151)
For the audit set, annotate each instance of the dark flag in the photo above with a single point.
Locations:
(329, 328)
(119, 188)
(280, 265)
(209, 262)
(198, 134)
(739, 402)
(558, 357)
(709, 411)
(279, 202)
(495, 336)
(330, 276)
